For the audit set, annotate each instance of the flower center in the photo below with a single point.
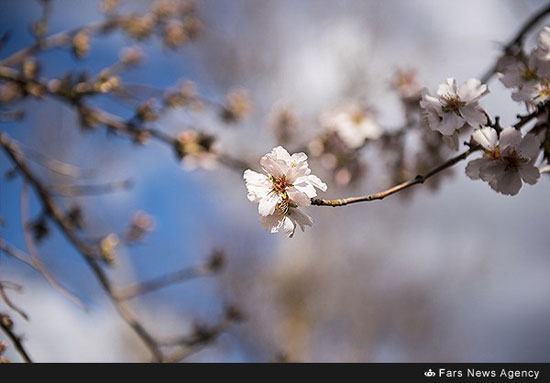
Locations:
(279, 186)
(513, 160)
(528, 75)
(452, 103)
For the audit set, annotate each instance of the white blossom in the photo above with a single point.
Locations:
(352, 123)
(454, 107)
(287, 184)
(530, 80)
(516, 73)
(506, 161)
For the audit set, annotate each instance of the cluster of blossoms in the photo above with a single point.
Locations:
(345, 130)
(352, 123)
(507, 159)
(529, 77)
(454, 107)
(287, 185)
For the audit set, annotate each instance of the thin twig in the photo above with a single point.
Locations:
(164, 281)
(34, 257)
(7, 300)
(6, 324)
(419, 179)
(91, 189)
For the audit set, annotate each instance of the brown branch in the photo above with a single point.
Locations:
(6, 324)
(419, 179)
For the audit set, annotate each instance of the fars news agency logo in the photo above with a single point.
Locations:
(429, 373)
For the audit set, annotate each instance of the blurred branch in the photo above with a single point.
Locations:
(200, 336)
(89, 254)
(92, 189)
(53, 164)
(34, 256)
(515, 43)
(212, 266)
(11, 115)
(3, 286)
(6, 324)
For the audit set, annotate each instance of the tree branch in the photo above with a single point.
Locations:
(517, 40)
(419, 179)
(88, 253)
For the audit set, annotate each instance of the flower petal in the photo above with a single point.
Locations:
(509, 137)
(507, 182)
(258, 185)
(268, 203)
(473, 115)
(472, 90)
(486, 137)
(473, 167)
(450, 123)
(298, 197)
(529, 173)
(530, 147)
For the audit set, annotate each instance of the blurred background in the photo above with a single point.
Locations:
(457, 274)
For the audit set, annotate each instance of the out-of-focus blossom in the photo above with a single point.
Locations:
(3, 348)
(109, 6)
(197, 149)
(237, 106)
(287, 184)
(81, 43)
(530, 79)
(184, 95)
(507, 159)
(139, 27)
(454, 107)
(342, 161)
(406, 85)
(174, 34)
(107, 248)
(141, 224)
(284, 124)
(9, 92)
(543, 45)
(131, 56)
(352, 123)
